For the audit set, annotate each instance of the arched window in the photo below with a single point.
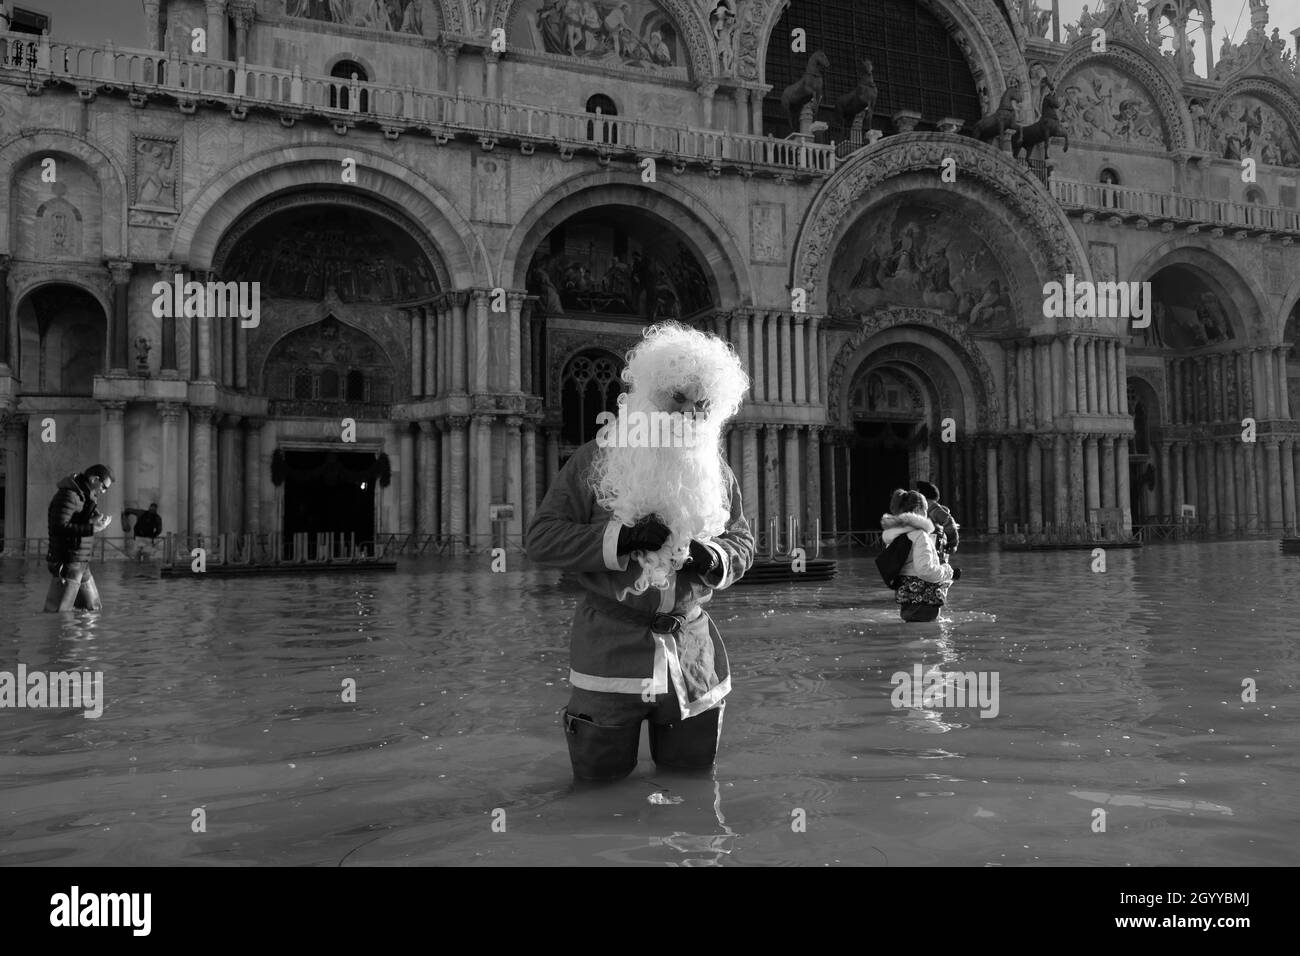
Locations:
(340, 94)
(356, 386)
(329, 384)
(1110, 197)
(598, 131)
(590, 385)
(302, 385)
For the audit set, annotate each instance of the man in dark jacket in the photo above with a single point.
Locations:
(941, 516)
(73, 519)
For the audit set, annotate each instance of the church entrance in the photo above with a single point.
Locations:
(880, 463)
(330, 491)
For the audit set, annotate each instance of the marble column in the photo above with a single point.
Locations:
(1268, 381)
(800, 358)
(1077, 481)
(1283, 402)
(407, 493)
(443, 359)
(271, 518)
(1107, 471)
(1043, 379)
(830, 484)
(1178, 478)
(482, 342)
(170, 465)
(1192, 478)
(243, 12)
(252, 496)
(750, 470)
(526, 344)
(201, 458)
(112, 444)
(814, 361)
(1092, 474)
(1222, 466)
(1060, 481)
(7, 322)
(427, 479)
(758, 377)
(1208, 506)
(428, 318)
(1080, 375)
(417, 349)
(529, 473)
(459, 353)
(1008, 509)
(1071, 383)
(1112, 378)
(1011, 401)
(1164, 499)
(1239, 483)
(1037, 448)
(514, 343)
(483, 491)
(230, 511)
(552, 455)
(792, 469)
(216, 37)
(444, 440)
(1121, 376)
(813, 496)
(458, 473)
(774, 358)
(239, 370)
(1090, 365)
(1273, 482)
(740, 335)
(14, 426)
(993, 521)
(1122, 476)
(1288, 486)
(772, 471)
(514, 476)
(787, 377)
(1254, 520)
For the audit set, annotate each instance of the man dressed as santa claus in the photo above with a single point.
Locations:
(650, 529)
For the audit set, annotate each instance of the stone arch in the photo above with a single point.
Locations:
(926, 330)
(42, 348)
(988, 40)
(462, 261)
(718, 250)
(263, 370)
(26, 284)
(35, 144)
(701, 48)
(1289, 302)
(1149, 387)
(1249, 301)
(1035, 223)
(932, 382)
(1151, 71)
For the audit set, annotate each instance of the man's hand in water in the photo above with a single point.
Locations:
(102, 522)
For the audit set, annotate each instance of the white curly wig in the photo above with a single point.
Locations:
(686, 487)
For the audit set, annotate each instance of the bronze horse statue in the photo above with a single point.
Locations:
(1048, 125)
(861, 97)
(808, 87)
(1004, 117)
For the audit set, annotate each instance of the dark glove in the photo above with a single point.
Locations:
(956, 573)
(648, 534)
(703, 560)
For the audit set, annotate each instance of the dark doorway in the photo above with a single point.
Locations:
(330, 491)
(879, 465)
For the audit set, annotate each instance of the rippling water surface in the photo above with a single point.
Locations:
(1118, 690)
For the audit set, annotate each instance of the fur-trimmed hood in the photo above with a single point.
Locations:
(906, 523)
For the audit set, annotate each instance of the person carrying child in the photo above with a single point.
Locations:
(922, 581)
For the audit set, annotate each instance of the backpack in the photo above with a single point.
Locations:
(890, 561)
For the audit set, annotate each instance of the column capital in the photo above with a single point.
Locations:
(516, 299)
(14, 423)
(748, 426)
(243, 12)
(800, 318)
(513, 423)
(113, 407)
(1044, 441)
(254, 424)
(483, 418)
(491, 55)
(815, 431)
(1020, 439)
(227, 420)
(170, 411)
(119, 271)
(215, 6)
(706, 89)
(450, 46)
(6, 260)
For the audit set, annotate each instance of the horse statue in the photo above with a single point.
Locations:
(1048, 125)
(808, 87)
(859, 99)
(995, 124)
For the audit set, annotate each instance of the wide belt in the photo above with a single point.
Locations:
(657, 622)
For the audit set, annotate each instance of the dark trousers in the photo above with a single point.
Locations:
(604, 734)
(72, 586)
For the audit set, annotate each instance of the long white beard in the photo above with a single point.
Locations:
(686, 487)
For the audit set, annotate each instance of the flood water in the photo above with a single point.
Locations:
(1119, 690)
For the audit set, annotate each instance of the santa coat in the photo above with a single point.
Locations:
(923, 562)
(612, 647)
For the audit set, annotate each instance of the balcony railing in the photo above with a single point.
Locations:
(154, 72)
(1159, 207)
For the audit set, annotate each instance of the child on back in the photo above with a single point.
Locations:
(924, 580)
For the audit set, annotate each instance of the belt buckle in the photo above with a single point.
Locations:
(667, 624)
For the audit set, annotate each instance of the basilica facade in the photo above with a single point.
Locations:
(459, 214)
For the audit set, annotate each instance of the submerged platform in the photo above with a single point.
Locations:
(777, 571)
(236, 570)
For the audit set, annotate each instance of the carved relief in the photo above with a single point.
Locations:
(491, 188)
(1247, 126)
(155, 172)
(58, 228)
(1139, 80)
(767, 231)
(1102, 105)
(418, 17)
